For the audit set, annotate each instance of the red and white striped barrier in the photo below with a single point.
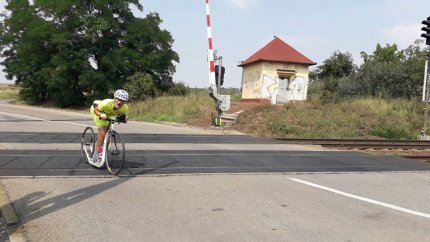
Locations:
(211, 60)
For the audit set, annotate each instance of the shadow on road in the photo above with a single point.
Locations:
(36, 205)
(39, 204)
(128, 169)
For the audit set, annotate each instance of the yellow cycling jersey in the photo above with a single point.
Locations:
(107, 107)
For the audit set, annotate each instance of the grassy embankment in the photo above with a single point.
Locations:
(8, 91)
(174, 109)
(357, 118)
(360, 118)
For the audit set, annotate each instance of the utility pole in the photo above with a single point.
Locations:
(426, 100)
(426, 94)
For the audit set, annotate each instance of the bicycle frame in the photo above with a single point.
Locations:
(111, 130)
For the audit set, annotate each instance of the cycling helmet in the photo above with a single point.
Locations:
(121, 94)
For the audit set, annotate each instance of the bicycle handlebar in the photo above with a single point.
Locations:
(113, 120)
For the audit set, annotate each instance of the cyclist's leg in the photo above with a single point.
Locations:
(98, 150)
(102, 130)
(101, 137)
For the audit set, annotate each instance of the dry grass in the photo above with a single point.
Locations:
(8, 91)
(361, 118)
(177, 109)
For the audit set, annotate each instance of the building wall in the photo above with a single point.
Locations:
(271, 67)
(252, 80)
(260, 81)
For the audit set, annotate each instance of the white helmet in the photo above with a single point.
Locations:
(121, 94)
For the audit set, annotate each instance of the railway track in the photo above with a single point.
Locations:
(363, 144)
(413, 149)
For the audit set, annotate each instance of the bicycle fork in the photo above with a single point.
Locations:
(106, 142)
(104, 153)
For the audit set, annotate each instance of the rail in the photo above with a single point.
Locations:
(362, 143)
(421, 147)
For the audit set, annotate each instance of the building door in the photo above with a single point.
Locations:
(284, 82)
(282, 90)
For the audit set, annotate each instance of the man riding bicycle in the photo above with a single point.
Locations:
(101, 111)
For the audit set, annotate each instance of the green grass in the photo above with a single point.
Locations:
(367, 118)
(360, 118)
(8, 92)
(176, 109)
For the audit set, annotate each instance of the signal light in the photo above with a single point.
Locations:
(426, 35)
(219, 80)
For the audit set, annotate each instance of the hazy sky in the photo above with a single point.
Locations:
(314, 28)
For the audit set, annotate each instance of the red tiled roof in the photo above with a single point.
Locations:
(279, 51)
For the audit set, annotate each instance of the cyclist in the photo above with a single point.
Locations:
(101, 110)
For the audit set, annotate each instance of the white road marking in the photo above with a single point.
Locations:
(29, 117)
(22, 116)
(86, 125)
(425, 215)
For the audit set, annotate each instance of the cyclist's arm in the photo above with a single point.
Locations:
(125, 112)
(125, 117)
(99, 113)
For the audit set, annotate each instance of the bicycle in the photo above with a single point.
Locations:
(113, 155)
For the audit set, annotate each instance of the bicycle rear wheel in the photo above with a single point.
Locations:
(115, 155)
(87, 143)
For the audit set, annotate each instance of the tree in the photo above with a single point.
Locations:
(338, 65)
(141, 87)
(385, 54)
(381, 79)
(415, 57)
(389, 72)
(58, 50)
(326, 79)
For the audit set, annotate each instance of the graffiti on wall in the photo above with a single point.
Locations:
(296, 89)
(283, 90)
(251, 83)
(269, 88)
(265, 82)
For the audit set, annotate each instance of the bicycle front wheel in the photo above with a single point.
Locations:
(87, 143)
(115, 155)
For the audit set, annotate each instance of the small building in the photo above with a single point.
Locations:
(277, 73)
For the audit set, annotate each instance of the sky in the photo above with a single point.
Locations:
(315, 28)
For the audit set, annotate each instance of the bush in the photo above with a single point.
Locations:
(280, 128)
(178, 89)
(141, 87)
(389, 133)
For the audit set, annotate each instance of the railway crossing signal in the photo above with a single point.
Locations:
(219, 77)
(216, 76)
(426, 29)
(426, 86)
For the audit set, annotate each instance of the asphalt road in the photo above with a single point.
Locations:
(60, 162)
(188, 184)
(138, 162)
